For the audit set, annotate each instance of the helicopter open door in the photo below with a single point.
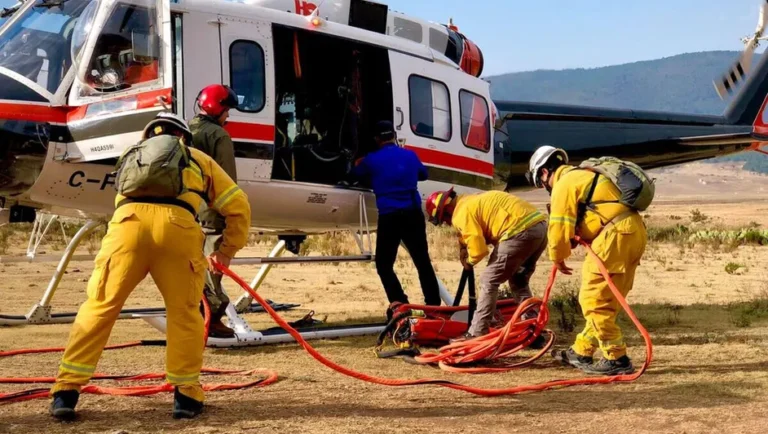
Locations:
(247, 67)
(122, 61)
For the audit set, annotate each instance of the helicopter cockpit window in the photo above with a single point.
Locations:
(36, 45)
(127, 51)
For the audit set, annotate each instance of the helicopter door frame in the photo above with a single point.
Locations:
(246, 52)
(177, 60)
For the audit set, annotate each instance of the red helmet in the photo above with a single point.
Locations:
(436, 203)
(216, 98)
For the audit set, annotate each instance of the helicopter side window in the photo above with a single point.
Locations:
(408, 29)
(475, 121)
(246, 75)
(430, 108)
(127, 50)
(438, 40)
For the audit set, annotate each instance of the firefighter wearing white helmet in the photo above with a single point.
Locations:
(542, 156)
(153, 231)
(616, 233)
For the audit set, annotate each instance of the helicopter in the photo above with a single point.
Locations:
(79, 80)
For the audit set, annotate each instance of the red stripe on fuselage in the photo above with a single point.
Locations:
(43, 113)
(32, 112)
(244, 130)
(438, 158)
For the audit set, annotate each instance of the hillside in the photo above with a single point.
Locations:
(680, 83)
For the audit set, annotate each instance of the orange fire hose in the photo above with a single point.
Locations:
(144, 390)
(501, 343)
(498, 345)
(478, 349)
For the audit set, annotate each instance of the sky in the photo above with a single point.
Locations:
(517, 35)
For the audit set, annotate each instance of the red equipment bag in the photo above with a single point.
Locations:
(411, 326)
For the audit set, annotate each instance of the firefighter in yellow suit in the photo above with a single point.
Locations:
(166, 242)
(516, 229)
(618, 236)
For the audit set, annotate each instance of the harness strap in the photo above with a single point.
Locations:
(159, 200)
(583, 206)
(614, 221)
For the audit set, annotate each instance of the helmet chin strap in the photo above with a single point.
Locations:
(546, 184)
(548, 188)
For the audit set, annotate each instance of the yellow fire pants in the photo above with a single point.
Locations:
(166, 242)
(620, 246)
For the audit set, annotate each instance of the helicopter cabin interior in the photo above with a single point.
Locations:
(330, 92)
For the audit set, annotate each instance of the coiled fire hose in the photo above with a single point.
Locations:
(269, 376)
(490, 347)
(453, 354)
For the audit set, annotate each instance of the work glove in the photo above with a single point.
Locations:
(464, 258)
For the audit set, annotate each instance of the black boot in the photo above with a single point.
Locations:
(63, 405)
(622, 365)
(570, 358)
(185, 407)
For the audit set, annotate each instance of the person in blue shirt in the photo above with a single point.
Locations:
(393, 173)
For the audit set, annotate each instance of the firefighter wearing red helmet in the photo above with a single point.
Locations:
(208, 135)
(516, 229)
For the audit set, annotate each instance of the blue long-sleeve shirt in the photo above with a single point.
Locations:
(394, 173)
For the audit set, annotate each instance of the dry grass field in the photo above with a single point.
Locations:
(702, 292)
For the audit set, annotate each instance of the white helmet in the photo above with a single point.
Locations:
(167, 123)
(539, 159)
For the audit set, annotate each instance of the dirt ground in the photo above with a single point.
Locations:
(709, 373)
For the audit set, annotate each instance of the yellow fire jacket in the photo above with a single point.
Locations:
(571, 187)
(224, 196)
(489, 218)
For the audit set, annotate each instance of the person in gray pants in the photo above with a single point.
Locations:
(513, 261)
(516, 229)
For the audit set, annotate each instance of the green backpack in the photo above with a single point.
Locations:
(151, 171)
(636, 187)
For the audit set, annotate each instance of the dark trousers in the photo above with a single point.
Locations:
(408, 227)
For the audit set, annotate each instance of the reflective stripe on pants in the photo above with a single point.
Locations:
(165, 242)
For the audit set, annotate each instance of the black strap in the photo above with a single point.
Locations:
(398, 352)
(159, 200)
(592, 189)
(460, 291)
(583, 206)
(472, 296)
(467, 280)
